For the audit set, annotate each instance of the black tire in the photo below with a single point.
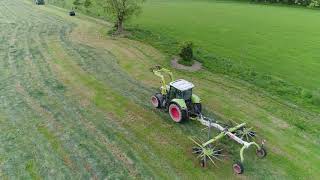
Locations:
(176, 113)
(197, 108)
(261, 153)
(238, 168)
(157, 100)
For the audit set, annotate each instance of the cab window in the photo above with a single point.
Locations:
(187, 94)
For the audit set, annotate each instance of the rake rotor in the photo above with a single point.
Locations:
(246, 133)
(207, 153)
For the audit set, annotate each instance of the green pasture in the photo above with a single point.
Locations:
(74, 104)
(279, 40)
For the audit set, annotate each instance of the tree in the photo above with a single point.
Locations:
(122, 10)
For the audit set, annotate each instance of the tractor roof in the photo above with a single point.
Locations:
(182, 84)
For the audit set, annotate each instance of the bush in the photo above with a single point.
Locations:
(186, 52)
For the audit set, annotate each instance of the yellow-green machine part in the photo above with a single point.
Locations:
(158, 71)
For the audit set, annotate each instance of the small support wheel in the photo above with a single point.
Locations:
(238, 168)
(261, 153)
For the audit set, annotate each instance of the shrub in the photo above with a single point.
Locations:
(186, 52)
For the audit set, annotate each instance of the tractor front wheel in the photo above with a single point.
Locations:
(177, 114)
(157, 100)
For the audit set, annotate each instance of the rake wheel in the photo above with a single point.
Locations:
(206, 154)
(261, 153)
(238, 168)
(246, 133)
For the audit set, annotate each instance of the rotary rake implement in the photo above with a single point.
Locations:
(178, 99)
(208, 152)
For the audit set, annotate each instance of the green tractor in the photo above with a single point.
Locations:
(182, 104)
(177, 97)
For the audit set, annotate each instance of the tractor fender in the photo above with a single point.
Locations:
(195, 99)
(180, 102)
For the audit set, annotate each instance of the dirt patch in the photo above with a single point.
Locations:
(195, 67)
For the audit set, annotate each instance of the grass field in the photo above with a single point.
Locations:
(74, 104)
(278, 40)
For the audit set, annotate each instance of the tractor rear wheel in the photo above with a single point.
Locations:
(177, 114)
(157, 100)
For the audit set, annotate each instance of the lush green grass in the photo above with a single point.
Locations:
(272, 47)
(75, 105)
(281, 41)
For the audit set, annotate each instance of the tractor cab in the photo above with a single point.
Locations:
(180, 89)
